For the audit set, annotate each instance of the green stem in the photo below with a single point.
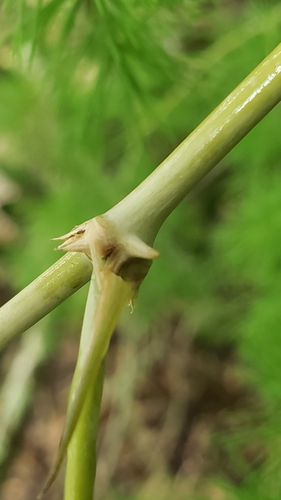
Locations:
(102, 312)
(81, 453)
(43, 295)
(143, 211)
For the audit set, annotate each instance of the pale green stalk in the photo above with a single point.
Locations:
(143, 211)
(81, 452)
(17, 386)
(102, 312)
(43, 295)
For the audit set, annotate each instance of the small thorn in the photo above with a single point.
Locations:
(137, 248)
(75, 241)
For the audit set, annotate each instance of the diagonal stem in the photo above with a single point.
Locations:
(43, 295)
(145, 209)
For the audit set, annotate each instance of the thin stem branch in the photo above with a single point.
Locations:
(16, 389)
(43, 295)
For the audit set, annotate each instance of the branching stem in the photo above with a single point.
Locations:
(143, 211)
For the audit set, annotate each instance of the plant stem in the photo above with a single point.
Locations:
(143, 211)
(81, 453)
(43, 295)
(16, 388)
(102, 312)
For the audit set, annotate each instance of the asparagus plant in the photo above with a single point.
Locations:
(116, 250)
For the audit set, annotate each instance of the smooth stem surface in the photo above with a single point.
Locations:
(43, 295)
(81, 453)
(101, 315)
(143, 211)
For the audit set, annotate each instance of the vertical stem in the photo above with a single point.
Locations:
(81, 428)
(81, 454)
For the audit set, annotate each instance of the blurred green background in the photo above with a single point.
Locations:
(94, 94)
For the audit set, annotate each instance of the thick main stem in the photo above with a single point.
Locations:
(143, 211)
